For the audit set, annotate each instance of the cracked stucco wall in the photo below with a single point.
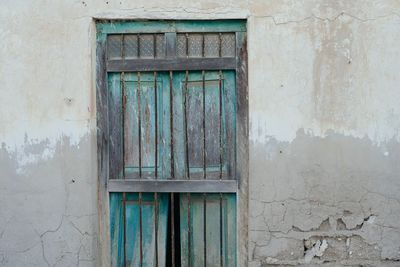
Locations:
(324, 104)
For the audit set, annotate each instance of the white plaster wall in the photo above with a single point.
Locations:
(317, 69)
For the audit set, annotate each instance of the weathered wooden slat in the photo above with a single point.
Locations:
(117, 242)
(170, 40)
(212, 233)
(208, 221)
(142, 209)
(229, 126)
(171, 64)
(102, 153)
(229, 25)
(197, 251)
(242, 152)
(190, 186)
(115, 122)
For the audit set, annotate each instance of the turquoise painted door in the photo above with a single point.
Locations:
(172, 115)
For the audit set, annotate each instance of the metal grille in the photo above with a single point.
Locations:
(149, 226)
(205, 126)
(211, 45)
(133, 46)
(172, 121)
(205, 144)
(188, 45)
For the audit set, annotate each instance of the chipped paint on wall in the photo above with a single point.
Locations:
(323, 75)
(41, 144)
(324, 128)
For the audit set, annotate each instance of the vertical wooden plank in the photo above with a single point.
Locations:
(185, 113)
(197, 230)
(192, 230)
(172, 214)
(131, 123)
(184, 233)
(179, 125)
(242, 168)
(170, 130)
(212, 125)
(170, 38)
(213, 230)
(164, 125)
(132, 230)
(148, 231)
(229, 228)
(229, 121)
(102, 150)
(204, 161)
(163, 200)
(195, 128)
(116, 230)
(156, 134)
(221, 235)
(220, 127)
(115, 126)
(156, 167)
(147, 112)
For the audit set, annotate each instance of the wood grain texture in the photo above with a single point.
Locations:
(115, 123)
(105, 27)
(222, 127)
(133, 210)
(195, 256)
(147, 185)
(242, 152)
(171, 64)
(102, 152)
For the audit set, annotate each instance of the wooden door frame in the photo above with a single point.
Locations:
(242, 153)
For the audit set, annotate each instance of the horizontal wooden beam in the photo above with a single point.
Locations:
(171, 64)
(149, 26)
(166, 186)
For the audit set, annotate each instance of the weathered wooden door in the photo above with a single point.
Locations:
(172, 107)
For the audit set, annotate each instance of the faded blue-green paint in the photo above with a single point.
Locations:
(194, 94)
(116, 230)
(193, 254)
(130, 221)
(115, 121)
(147, 116)
(117, 27)
(132, 226)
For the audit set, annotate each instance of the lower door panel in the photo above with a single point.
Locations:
(167, 229)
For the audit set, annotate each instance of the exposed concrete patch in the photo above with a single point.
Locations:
(317, 249)
(51, 206)
(339, 194)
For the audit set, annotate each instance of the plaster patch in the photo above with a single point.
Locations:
(324, 75)
(30, 144)
(325, 188)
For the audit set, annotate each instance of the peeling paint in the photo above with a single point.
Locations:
(50, 220)
(336, 187)
(324, 128)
